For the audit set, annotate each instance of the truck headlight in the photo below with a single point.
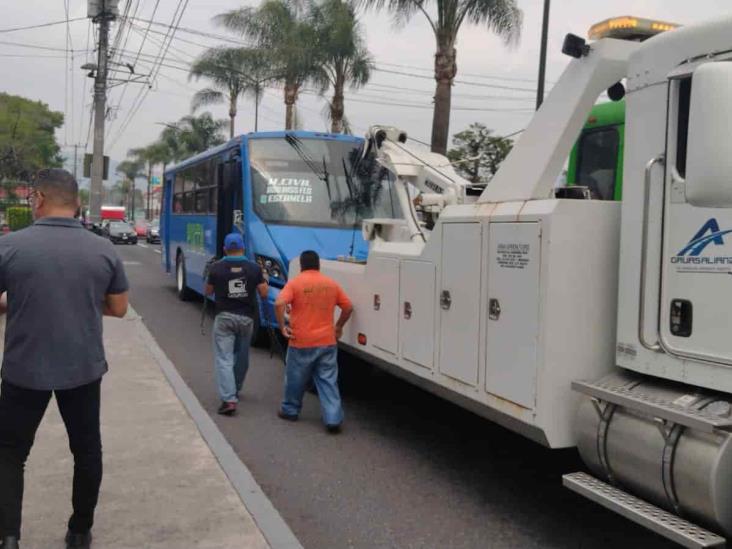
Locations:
(271, 267)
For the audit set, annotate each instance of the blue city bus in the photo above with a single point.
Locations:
(284, 191)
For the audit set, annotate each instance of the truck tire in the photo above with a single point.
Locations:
(182, 289)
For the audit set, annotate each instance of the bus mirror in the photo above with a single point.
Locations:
(709, 149)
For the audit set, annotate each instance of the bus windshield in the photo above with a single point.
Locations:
(317, 182)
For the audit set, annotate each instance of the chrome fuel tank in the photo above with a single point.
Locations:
(684, 470)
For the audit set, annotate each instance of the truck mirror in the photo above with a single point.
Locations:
(709, 149)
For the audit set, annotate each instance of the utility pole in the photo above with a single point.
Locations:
(256, 107)
(102, 12)
(132, 207)
(542, 56)
(76, 161)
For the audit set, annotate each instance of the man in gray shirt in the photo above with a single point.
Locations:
(58, 279)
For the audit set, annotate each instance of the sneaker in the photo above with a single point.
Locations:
(227, 409)
(78, 541)
(333, 429)
(286, 417)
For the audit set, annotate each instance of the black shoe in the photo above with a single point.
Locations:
(227, 409)
(286, 417)
(333, 429)
(9, 542)
(78, 541)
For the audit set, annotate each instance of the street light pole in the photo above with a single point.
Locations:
(542, 56)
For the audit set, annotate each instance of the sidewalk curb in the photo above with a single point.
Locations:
(273, 527)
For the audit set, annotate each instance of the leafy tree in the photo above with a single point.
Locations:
(283, 29)
(345, 60)
(445, 18)
(27, 140)
(233, 72)
(19, 217)
(478, 154)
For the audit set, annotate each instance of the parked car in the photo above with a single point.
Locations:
(141, 228)
(153, 232)
(120, 232)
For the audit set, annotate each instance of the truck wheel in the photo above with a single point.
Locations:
(184, 292)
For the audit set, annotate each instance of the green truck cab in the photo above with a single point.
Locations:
(596, 161)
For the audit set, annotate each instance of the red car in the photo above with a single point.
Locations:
(141, 228)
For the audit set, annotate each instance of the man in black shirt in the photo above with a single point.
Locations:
(232, 282)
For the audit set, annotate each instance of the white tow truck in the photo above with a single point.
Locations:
(514, 306)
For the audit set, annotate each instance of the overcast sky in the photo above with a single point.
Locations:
(483, 60)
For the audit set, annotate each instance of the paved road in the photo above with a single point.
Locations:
(409, 470)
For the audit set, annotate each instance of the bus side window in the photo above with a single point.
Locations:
(213, 200)
(188, 202)
(178, 193)
(201, 205)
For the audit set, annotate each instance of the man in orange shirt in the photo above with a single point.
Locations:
(313, 351)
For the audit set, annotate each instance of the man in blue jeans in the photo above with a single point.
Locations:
(232, 281)
(313, 335)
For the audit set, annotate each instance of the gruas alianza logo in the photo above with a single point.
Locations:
(709, 233)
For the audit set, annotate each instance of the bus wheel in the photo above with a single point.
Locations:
(184, 292)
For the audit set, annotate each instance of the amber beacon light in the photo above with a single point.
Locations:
(629, 28)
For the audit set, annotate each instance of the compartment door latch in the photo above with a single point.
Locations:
(494, 308)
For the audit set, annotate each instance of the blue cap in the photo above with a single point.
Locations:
(233, 241)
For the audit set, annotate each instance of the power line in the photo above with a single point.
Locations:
(387, 88)
(147, 31)
(472, 75)
(196, 32)
(36, 47)
(464, 82)
(156, 69)
(398, 88)
(32, 55)
(418, 106)
(42, 25)
(66, 76)
(119, 53)
(69, 124)
(83, 88)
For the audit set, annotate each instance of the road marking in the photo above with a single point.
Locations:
(131, 263)
(157, 251)
(141, 245)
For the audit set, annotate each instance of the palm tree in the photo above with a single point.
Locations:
(501, 16)
(191, 135)
(155, 153)
(131, 169)
(200, 133)
(280, 28)
(345, 59)
(229, 70)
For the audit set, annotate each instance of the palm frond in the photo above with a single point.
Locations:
(503, 17)
(360, 69)
(206, 96)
